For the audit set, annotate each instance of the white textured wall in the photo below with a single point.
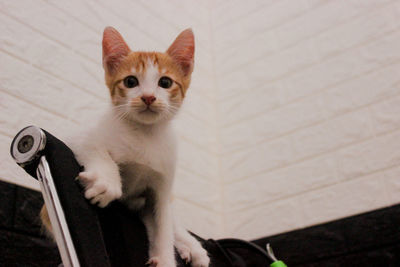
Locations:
(292, 118)
(51, 76)
(308, 110)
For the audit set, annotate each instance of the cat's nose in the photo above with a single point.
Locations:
(148, 100)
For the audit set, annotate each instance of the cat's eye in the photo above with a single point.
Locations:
(165, 82)
(131, 81)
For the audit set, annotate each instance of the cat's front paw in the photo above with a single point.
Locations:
(200, 259)
(159, 262)
(197, 256)
(100, 190)
(184, 252)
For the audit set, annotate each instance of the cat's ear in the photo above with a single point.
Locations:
(114, 49)
(182, 51)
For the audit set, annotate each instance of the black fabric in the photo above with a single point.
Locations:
(22, 242)
(7, 205)
(20, 249)
(125, 236)
(368, 239)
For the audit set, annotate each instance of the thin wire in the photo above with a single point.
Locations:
(270, 253)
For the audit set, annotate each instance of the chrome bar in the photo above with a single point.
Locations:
(56, 214)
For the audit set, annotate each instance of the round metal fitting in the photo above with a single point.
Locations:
(27, 145)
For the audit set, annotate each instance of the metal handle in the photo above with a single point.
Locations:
(56, 215)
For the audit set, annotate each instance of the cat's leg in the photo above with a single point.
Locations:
(189, 248)
(157, 218)
(100, 178)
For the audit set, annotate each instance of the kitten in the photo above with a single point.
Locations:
(131, 154)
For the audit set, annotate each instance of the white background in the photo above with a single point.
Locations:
(292, 118)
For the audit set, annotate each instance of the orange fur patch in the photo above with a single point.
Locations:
(140, 61)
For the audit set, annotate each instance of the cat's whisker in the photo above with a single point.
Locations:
(120, 112)
(124, 115)
(169, 113)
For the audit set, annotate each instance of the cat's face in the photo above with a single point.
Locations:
(147, 87)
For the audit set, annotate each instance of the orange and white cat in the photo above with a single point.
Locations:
(131, 153)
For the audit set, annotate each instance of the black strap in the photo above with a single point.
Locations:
(233, 252)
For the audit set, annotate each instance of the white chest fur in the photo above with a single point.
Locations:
(154, 148)
(147, 154)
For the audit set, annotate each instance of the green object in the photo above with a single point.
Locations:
(278, 264)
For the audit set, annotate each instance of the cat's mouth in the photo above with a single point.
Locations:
(148, 110)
